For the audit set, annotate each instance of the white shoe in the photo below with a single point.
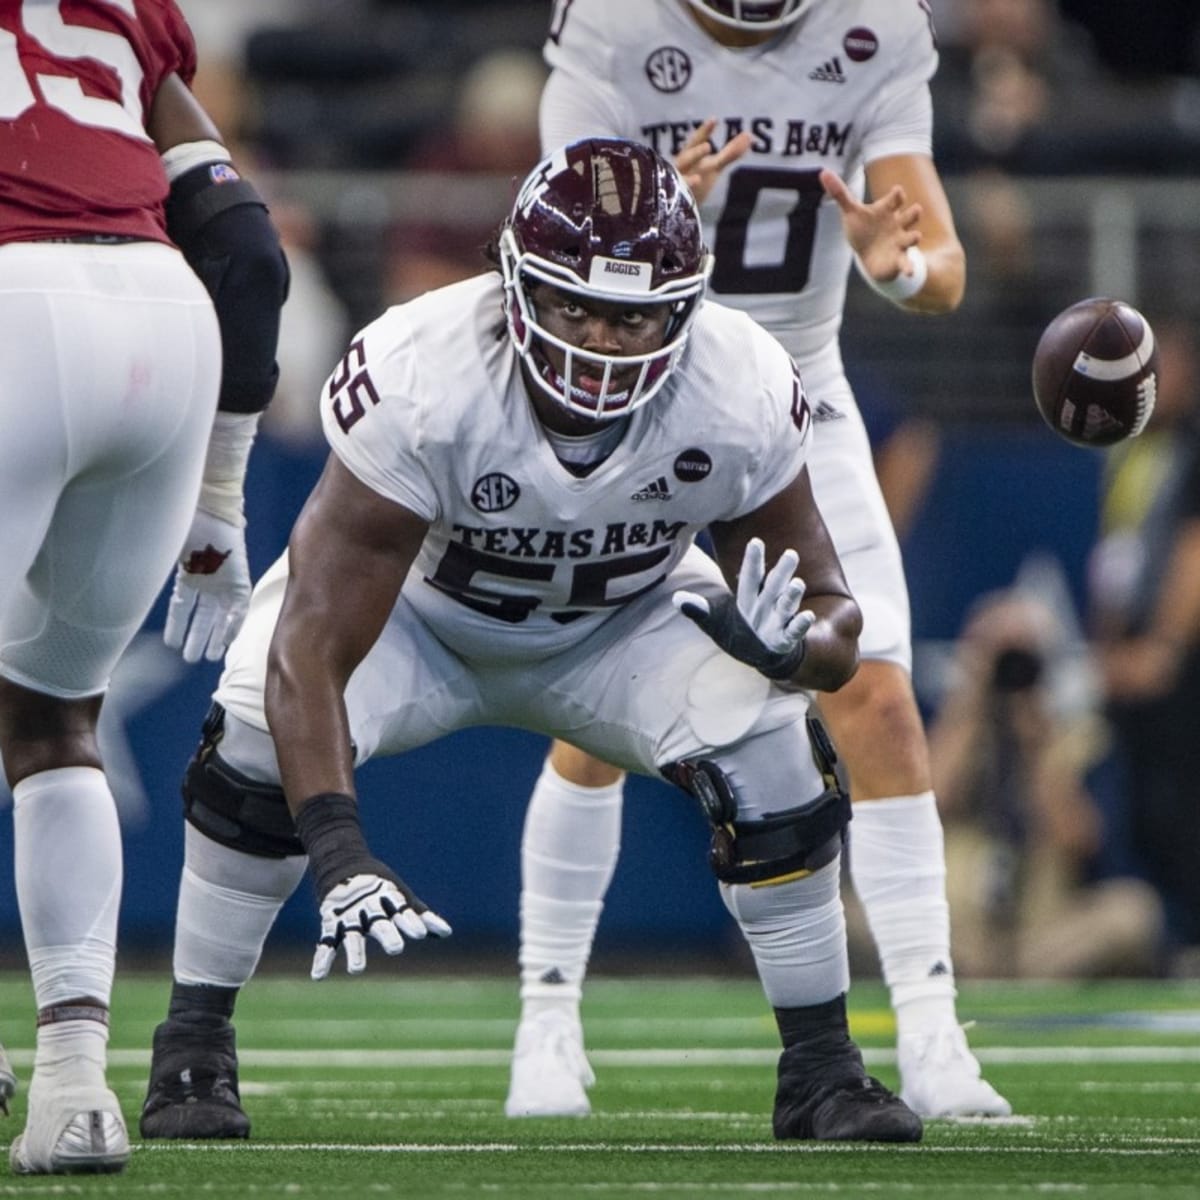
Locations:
(8, 1082)
(940, 1077)
(550, 1072)
(70, 1130)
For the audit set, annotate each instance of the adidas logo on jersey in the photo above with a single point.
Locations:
(655, 490)
(824, 411)
(829, 72)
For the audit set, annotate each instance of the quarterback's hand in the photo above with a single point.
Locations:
(375, 906)
(764, 626)
(700, 165)
(212, 589)
(880, 233)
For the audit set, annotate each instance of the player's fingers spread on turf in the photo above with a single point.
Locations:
(409, 921)
(435, 926)
(356, 952)
(322, 961)
(387, 935)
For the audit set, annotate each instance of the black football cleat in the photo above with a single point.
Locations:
(193, 1092)
(825, 1094)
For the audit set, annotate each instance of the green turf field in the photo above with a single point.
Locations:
(393, 1085)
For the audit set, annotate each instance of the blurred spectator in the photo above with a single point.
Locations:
(493, 131)
(1022, 87)
(1145, 611)
(1022, 830)
(1011, 67)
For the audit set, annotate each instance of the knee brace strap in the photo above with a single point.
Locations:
(235, 811)
(781, 846)
(778, 846)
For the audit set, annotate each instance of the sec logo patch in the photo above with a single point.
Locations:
(668, 69)
(494, 493)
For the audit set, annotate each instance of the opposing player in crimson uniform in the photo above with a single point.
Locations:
(110, 371)
(780, 112)
(517, 516)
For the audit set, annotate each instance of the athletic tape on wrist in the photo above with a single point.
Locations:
(223, 485)
(903, 287)
(331, 834)
(180, 159)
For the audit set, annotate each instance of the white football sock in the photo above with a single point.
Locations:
(568, 855)
(71, 1051)
(228, 901)
(797, 934)
(898, 868)
(67, 851)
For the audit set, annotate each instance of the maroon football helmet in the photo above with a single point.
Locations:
(612, 220)
(752, 14)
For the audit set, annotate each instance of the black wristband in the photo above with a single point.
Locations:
(329, 830)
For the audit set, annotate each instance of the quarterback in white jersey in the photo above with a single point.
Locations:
(783, 115)
(503, 534)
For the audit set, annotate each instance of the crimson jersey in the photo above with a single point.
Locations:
(77, 79)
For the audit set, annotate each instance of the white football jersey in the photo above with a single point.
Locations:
(847, 84)
(523, 558)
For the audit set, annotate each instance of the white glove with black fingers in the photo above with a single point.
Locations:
(370, 906)
(360, 896)
(212, 589)
(764, 626)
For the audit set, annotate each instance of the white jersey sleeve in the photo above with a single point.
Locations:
(573, 108)
(582, 97)
(900, 121)
(372, 417)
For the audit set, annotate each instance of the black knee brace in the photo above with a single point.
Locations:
(243, 814)
(778, 846)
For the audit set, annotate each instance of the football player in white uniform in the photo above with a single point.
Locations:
(503, 534)
(814, 100)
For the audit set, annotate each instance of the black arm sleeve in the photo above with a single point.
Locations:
(222, 226)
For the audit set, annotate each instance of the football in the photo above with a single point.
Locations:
(1095, 372)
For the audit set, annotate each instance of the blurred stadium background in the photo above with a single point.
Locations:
(387, 136)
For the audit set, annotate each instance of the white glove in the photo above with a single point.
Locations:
(766, 627)
(370, 905)
(212, 589)
(771, 605)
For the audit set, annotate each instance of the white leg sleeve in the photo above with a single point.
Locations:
(568, 854)
(898, 867)
(228, 902)
(68, 873)
(797, 934)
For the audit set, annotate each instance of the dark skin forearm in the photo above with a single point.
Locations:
(791, 520)
(348, 557)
